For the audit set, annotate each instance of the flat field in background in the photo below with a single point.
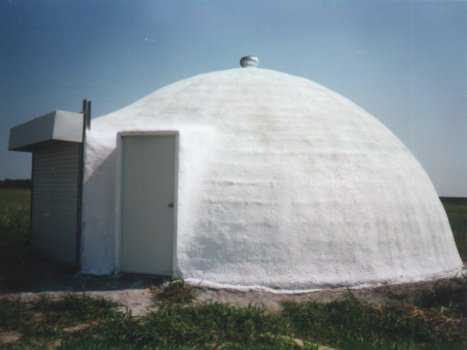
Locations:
(14, 215)
(456, 208)
(14, 234)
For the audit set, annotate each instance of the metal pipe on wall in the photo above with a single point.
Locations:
(86, 111)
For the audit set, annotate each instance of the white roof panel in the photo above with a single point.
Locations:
(53, 126)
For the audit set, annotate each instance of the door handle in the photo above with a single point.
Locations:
(170, 205)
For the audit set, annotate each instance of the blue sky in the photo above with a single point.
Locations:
(403, 61)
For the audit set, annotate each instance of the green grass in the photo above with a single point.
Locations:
(82, 322)
(45, 320)
(14, 215)
(201, 326)
(353, 324)
(14, 235)
(86, 323)
(456, 208)
(12, 197)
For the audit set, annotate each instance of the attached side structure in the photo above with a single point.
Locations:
(55, 141)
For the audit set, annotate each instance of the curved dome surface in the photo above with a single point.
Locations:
(282, 183)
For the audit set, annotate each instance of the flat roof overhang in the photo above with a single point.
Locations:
(54, 126)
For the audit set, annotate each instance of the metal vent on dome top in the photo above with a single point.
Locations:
(249, 61)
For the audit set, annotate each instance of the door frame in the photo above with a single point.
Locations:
(118, 192)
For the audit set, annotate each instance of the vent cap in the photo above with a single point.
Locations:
(249, 61)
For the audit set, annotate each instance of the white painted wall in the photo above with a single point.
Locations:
(282, 183)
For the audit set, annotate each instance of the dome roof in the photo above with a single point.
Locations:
(283, 183)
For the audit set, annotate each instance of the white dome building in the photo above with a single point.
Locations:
(252, 177)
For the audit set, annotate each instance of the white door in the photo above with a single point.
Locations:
(147, 204)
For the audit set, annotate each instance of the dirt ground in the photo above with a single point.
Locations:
(135, 294)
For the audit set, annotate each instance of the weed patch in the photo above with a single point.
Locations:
(350, 323)
(174, 292)
(448, 298)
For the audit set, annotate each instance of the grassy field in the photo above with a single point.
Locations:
(14, 235)
(456, 208)
(430, 319)
(14, 215)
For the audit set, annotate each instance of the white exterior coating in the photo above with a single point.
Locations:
(282, 183)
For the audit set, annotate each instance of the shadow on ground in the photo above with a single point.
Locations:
(23, 271)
